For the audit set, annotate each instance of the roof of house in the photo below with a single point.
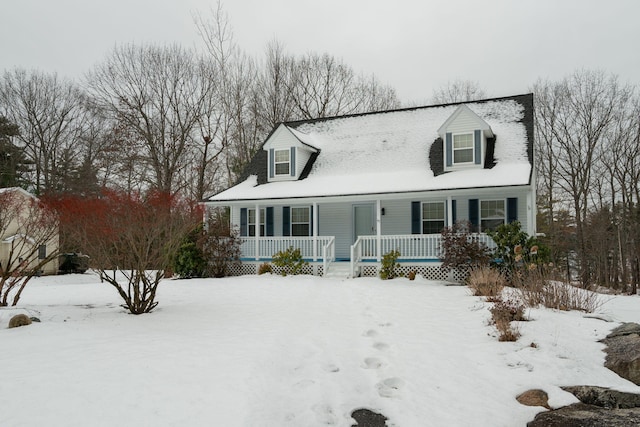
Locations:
(389, 152)
(17, 190)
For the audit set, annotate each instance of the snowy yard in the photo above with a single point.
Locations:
(297, 351)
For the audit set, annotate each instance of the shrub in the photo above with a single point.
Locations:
(189, 260)
(265, 267)
(503, 313)
(220, 245)
(508, 310)
(515, 249)
(389, 265)
(486, 281)
(537, 288)
(290, 261)
(411, 275)
(460, 249)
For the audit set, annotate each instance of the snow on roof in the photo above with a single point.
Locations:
(18, 190)
(388, 152)
(15, 237)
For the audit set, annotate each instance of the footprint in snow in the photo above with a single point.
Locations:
(372, 363)
(382, 346)
(370, 333)
(390, 387)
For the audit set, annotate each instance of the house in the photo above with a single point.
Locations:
(346, 190)
(28, 235)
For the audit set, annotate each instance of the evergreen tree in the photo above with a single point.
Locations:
(12, 159)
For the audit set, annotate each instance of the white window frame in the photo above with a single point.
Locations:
(454, 149)
(251, 225)
(277, 162)
(494, 217)
(300, 222)
(423, 219)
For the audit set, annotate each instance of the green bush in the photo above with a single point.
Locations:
(290, 261)
(389, 265)
(515, 249)
(189, 260)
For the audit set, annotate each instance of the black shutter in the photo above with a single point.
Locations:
(311, 220)
(243, 221)
(415, 218)
(512, 209)
(453, 212)
(477, 146)
(286, 221)
(272, 163)
(269, 220)
(292, 161)
(448, 150)
(474, 214)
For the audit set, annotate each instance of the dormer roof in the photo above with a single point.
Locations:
(463, 112)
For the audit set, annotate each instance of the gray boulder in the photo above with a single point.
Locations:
(604, 397)
(583, 415)
(623, 351)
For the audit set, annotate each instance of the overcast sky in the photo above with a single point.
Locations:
(415, 46)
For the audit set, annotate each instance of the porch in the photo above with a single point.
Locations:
(366, 251)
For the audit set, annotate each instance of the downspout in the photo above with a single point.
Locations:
(378, 230)
(315, 231)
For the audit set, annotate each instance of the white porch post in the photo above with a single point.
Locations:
(378, 230)
(449, 211)
(315, 231)
(257, 227)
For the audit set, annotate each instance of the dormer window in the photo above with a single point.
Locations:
(465, 137)
(463, 148)
(282, 162)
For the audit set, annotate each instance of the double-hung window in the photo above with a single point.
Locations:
(463, 148)
(282, 162)
(251, 221)
(432, 217)
(492, 214)
(300, 221)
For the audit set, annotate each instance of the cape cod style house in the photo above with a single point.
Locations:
(346, 190)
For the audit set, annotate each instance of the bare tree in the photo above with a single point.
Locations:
(159, 95)
(577, 117)
(458, 91)
(322, 86)
(236, 74)
(49, 112)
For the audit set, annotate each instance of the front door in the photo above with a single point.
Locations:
(364, 223)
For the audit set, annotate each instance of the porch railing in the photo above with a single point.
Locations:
(266, 246)
(328, 254)
(412, 246)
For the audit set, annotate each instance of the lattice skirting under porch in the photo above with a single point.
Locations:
(428, 271)
(247, 268)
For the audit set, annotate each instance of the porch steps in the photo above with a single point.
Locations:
(338, 270)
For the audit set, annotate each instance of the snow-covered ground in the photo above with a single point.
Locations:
(297, 351)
